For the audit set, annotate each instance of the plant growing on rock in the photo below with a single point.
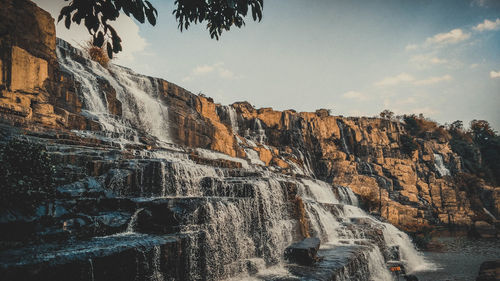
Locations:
(26, 171)
(97, 54)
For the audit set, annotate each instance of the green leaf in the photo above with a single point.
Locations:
(109, 48)
(99, 39)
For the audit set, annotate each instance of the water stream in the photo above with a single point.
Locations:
(236, 222)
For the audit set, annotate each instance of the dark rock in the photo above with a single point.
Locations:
(337, 263)
(394, 253)
(304, 252)
(489, 271)
(484, 229)
(411, 277)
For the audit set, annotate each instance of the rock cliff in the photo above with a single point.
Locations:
(143, 180)
(414, 190)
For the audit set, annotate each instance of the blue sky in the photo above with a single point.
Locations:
(439, 58)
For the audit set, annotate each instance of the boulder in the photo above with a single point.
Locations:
(304, 252)
(484, 229)
(489, 271)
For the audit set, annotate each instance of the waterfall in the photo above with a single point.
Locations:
(331, 230)
(140, 97)
(240, 231)
(342, 137)
(413, 260)
(307, 165)
(257, 134)
(133, 222)
(376, 265)
(317, 191)
(91, 270)
(156, 275)
(440, 167)
(230, 221)
(233, 118)
(347, 196)
(261, 133)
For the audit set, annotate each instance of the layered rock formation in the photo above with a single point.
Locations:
(153, 182)
(413, 190)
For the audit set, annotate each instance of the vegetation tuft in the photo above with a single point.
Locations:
(97, 54)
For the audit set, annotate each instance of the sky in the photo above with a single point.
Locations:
(355, 57)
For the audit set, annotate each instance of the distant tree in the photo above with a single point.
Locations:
(457, 126)
(220, 16)
(481, 131)
(387, 114)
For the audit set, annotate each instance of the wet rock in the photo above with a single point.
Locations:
(126, 257)
(88, 187)
(337, 263)
(394, 253)
(304, 252)
(410, 277)
(489, 271)
(484, 229)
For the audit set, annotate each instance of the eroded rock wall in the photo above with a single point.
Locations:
(413, 190)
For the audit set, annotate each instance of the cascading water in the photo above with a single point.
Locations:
(347, 196)
(331, 228)
(156, 275)
(91, 263)
(133, 222)
(440, 167)
(413, 260)
(142, 108)
(233, 118)
(257, 134)
(240, 219)
(342, 137)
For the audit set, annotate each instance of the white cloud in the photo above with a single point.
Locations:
(203, 69)
(488, 25)
(454, 36)
(216, 68)
(474, 65)
(433, 80)
(411, 47)
(424, 61)
(227, 74)
(480, 3)
(495, 74)
(394, 80)
(407, 78)
(354, 95)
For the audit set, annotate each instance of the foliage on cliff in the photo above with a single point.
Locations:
(478, 146)
(220, 16)
(26, 170)
(97, 54)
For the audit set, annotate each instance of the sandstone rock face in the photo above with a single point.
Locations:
(33, 91)
(415, 190)
(28, 72)
(366, 155)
